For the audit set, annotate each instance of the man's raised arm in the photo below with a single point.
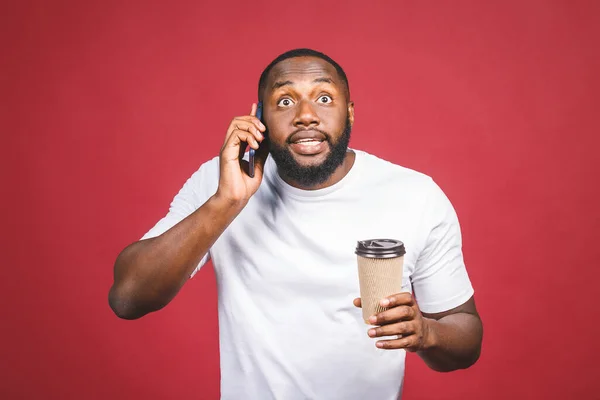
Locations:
(149, 273)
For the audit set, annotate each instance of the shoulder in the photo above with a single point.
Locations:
(203, 181)
(208, 170)
(394, 176)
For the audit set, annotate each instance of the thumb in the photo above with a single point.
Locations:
(357, 302)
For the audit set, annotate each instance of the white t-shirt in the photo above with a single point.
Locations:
(286, 276)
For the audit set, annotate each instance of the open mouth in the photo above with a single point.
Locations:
(308, 143)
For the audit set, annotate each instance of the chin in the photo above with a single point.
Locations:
(312, 160)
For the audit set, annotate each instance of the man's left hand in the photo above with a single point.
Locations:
(402, 319)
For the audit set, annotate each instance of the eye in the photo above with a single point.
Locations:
(325, 99)
(285, 102)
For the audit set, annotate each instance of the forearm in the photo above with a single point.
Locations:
(453, 342)
(149, 273)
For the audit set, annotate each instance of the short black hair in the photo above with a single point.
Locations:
(303, 52)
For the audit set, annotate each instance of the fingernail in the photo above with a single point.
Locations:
(373, 319)
(379, 344)
(371, 332)
(385, 302)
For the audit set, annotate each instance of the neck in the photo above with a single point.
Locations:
(337, 175)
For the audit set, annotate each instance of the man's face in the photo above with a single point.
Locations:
(309, 117)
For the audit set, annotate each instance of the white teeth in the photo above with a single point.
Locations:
(308, 141)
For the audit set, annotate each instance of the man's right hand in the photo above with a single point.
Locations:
(235, 185)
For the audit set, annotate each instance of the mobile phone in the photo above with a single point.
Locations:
(252, 152)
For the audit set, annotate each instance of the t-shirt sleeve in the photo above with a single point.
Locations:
(440, 280)
(194, 193)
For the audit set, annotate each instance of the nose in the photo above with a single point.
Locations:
(306, 115)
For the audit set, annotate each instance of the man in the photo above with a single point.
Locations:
(282, 245)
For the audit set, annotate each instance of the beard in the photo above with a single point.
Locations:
(312, 175)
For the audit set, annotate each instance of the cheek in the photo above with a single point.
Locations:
(277, 129)
(334, 116)
(275, 134)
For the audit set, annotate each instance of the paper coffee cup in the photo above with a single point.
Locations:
(380, 263)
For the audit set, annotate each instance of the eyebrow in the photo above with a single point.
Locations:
(277, 85)
(323, 80)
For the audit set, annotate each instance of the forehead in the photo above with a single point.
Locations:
(302, 68)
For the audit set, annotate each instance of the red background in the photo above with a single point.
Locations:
(108, 107)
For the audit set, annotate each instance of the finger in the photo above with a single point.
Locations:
(246, 123)
(252, 120)
(396, 314)
(255, 120)
(247, 126)
(236, 141)
(399, 299)
(399, 328)
(247, 137)
(407, 343)
(238, 137)
(357, 302)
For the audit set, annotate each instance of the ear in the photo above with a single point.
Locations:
(351, 112)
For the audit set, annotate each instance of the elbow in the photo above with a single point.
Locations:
(454, 365)
(130, 304)
(449, 363)
(123, 305)
(473, 359)
(469, 359)
(466, 362)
